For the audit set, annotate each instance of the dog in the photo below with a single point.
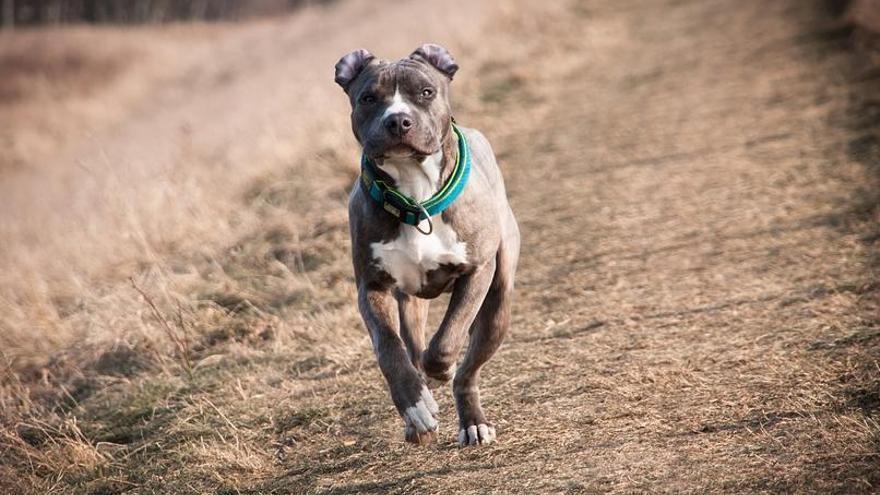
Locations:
(430, 215)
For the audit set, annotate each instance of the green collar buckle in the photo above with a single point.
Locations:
(407, 210)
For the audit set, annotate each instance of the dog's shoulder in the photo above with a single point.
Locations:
(481, 150)
(484, 162)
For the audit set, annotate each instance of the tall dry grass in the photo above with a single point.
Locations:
(175, 287)
(167, 192)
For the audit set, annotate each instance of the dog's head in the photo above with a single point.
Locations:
(399, 108)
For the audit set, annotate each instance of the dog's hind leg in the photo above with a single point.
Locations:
(413, 316)
(487, 333)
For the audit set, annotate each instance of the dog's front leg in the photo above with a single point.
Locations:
(468, 293)
(412, 398)
(413, 315)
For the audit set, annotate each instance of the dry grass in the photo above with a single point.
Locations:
(698, 299)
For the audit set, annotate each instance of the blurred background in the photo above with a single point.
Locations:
(697, 182)
(43, 12)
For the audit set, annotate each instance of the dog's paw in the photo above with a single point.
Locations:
(438, 369)
(412, 435)
(419, 419)
(481, 434)
(436, 380)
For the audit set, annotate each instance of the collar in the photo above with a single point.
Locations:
(407, 210)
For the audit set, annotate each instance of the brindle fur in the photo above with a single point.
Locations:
(481, 217)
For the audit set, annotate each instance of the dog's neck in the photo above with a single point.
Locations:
(421, 179)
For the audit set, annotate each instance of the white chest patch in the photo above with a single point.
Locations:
(410, 256)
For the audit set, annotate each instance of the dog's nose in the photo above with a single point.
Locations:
(398, 124)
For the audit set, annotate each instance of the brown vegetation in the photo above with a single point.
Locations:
(697, 304)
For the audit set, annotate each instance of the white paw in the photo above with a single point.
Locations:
(421, 415)
(476, 435)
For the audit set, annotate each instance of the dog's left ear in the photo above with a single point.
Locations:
(349, 66)
(438, 57)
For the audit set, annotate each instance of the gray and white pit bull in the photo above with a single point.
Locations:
(402, 118)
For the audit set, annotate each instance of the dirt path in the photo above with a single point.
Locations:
(698, 298)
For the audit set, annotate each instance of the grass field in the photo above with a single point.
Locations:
(698, 304)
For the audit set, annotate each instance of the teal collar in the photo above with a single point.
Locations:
(408, 210)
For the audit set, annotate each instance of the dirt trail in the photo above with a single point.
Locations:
(697, 311)
(694, 183)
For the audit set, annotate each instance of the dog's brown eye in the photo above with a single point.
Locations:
(368, 99)
(427, 93)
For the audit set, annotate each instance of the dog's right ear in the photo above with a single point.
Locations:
(349, 66)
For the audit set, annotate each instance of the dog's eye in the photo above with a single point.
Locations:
(428, 93)
(368, 99)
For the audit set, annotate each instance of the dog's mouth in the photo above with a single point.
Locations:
(397, 150)
(403, 151)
